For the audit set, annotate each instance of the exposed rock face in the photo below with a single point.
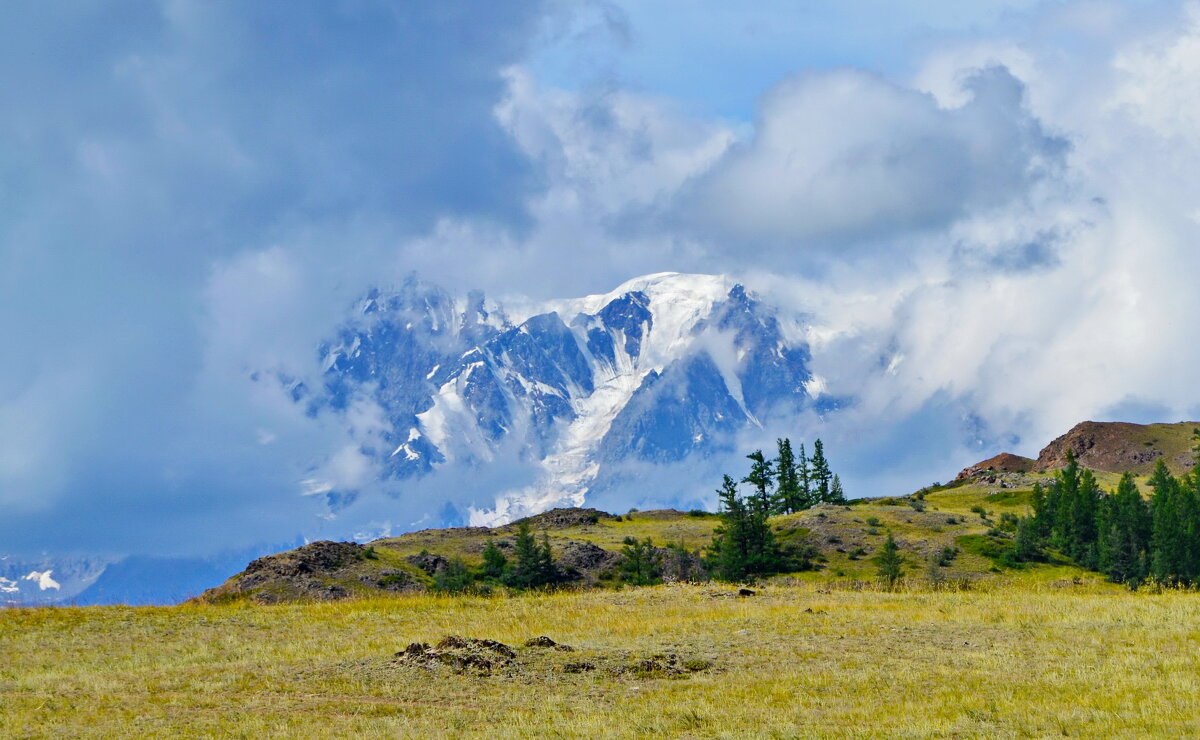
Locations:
(1109, 446)
(584, 560)
(563, 518)
(1117, 447)
(428, 562)
(315, 557)
(303, 573)
(1005, 462)
(664, 367)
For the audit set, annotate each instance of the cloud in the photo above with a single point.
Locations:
(989, 249)
(845, 157)
(190, 190)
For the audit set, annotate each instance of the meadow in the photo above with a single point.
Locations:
(1012, 657)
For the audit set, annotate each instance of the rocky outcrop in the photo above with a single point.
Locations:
(1117, 447)
(1005, 462)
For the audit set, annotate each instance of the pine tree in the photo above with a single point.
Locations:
(1027, 541)
(788, 496)
(889, 562)
(761, 475)
(744, 544)
(533, 564)
(821, 477)
(640, 564)
(494, 562)
(1125, 534)
(1166, 546)
(804, 480)
(836, 494)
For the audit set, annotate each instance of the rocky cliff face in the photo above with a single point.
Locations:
(664, 367)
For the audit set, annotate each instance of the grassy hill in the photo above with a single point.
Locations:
(958, 517)
(343, 640)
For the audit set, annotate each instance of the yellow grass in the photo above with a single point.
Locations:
(1019, 659)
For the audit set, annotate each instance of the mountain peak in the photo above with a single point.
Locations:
(661, 368)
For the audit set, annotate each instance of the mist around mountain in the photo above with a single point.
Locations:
(580, 399)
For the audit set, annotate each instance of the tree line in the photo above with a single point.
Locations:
(1121, 534)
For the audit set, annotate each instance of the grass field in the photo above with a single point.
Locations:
(1014, 658)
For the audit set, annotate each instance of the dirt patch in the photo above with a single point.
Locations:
(538, 657)
(460, 654)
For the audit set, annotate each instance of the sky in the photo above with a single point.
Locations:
(993, 202)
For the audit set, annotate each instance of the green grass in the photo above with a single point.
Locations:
(1022, 657)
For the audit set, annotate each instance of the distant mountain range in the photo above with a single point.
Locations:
(664, 368)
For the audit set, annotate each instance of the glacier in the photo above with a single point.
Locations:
(586, 391)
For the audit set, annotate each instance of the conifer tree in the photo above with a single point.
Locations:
(1027, 541)
(640, 564)
(889, 562)
(744, 544)
(494, 562)
(836, 494)
(821, 477)
(533, 564)
(804, 480)
(788, 496)
(1125, 528)
(760, 475)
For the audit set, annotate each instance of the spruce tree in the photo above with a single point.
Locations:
(889, 562)
(744, 544)
(788, 496)
(533, 564)
(640, 564)
(804, 480)
(821, 477)
(836, 494)
(760, 476)
(494, 562)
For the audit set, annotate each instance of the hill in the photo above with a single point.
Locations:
(586, 542)
(964, 526)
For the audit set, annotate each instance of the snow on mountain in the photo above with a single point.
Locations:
(47, 580)
(663, 368)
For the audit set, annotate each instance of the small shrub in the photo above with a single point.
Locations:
(951, 520)
(857, 553)
(699, 513)
(872, 531)
(874, 522)
(946, 555)
(982, 512)
(918, 504)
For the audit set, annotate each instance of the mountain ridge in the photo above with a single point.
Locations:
(664, 367)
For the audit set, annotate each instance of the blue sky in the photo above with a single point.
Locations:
(991, 199)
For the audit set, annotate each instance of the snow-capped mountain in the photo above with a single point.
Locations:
(663, 368)
(46, 581)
